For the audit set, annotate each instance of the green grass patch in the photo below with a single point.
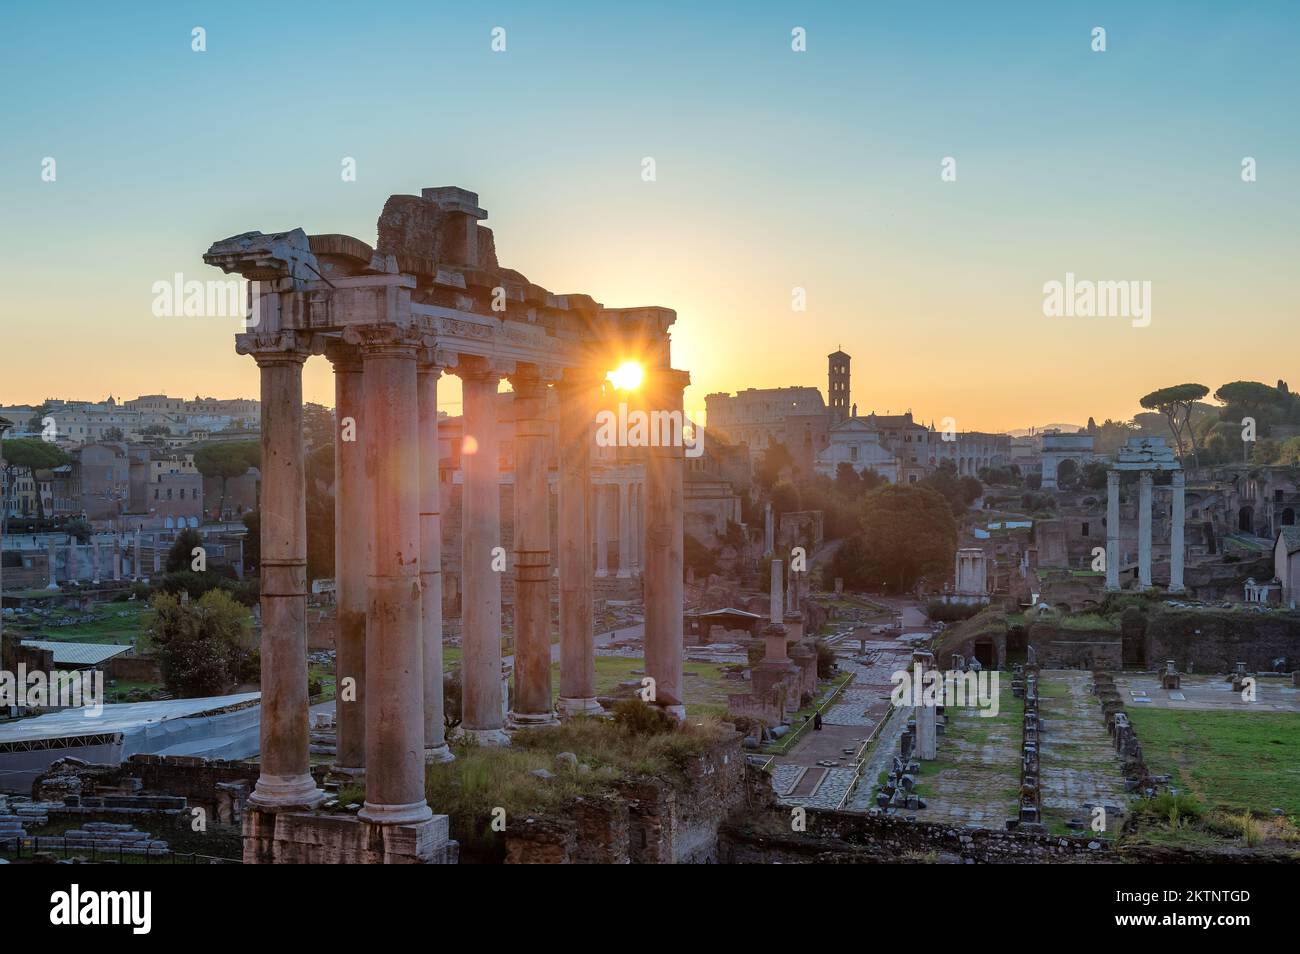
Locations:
(1230, 761)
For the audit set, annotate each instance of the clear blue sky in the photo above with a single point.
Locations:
(775, 170)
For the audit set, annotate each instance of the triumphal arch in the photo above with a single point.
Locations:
(431, 298)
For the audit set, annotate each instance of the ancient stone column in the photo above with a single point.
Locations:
(1176, 532)
(1112, 531)
(577, 394)
(117, 557)
(94, 560)
(774, 635)
(624, 532)
(665, 513)
(926, 715)
(1144, 529)
(435, 729)
(394, 648)
(72, 558)
(157, 556)
(285, 781)
(53, 559)
(769, 532)
(532, 553)
(136, 566)
(351, 557)
(602, 531)
(480, 535)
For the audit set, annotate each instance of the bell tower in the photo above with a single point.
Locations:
(837, 387)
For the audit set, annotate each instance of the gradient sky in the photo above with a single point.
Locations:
(775, 170)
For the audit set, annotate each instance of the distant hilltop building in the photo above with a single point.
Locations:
(822, 434)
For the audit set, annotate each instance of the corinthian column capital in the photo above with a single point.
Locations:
(384, 340)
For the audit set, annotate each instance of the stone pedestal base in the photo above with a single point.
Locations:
(441, 753)
(486, 736)
(317, 838)
(530, 720)
(285, 793)
(575, 707)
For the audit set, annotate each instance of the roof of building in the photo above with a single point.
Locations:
(1290, 537)
(78, 654)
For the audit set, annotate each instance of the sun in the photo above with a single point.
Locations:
(627, 376)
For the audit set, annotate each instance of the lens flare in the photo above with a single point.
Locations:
(627, 376)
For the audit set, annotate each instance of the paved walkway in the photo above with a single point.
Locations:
(1077, 761)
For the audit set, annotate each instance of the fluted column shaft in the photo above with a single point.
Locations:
(1176, 532)
(1112, 530)
(532, 554)
(624, 531)
(483, 715)
(1144, 529)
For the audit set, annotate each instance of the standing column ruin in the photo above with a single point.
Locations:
(351, 558)
(1112, 531)
(577, 393)
(532, 544)
(435, 728)
(1144, 529)
(602, 531)
(481, 534)
(1176, 532)
(394, 649)
(665, 516)
(285, 780)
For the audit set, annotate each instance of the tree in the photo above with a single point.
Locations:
(157, 430)
(29, 454)
(114, 434)
(79, 529)
(785, 499)
(1171, 401)
(960, 492)
(181, 554)
(696, 556)
(908, 531)
(320, 513)
(1253, 399)
(203, 647)
(317, 425)
(226, 460)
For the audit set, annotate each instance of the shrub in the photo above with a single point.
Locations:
(825, 660)
(637, 718)
(939, 611)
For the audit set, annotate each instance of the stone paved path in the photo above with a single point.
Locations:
(1077, 761)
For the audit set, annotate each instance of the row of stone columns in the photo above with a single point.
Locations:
(388, 556)
(116, 564)
(1176, 556)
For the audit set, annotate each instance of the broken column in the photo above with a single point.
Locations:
(532, 553)
(927, 736)
(481, 535)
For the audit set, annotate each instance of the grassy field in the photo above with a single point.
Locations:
(116, 623)
(1235, 761)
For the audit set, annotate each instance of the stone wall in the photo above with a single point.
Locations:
(1209, 640)
(1059, 647)
(853, 838)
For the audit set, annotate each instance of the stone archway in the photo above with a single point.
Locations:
(1246, 519)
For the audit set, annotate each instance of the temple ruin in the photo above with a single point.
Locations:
(431, 298)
